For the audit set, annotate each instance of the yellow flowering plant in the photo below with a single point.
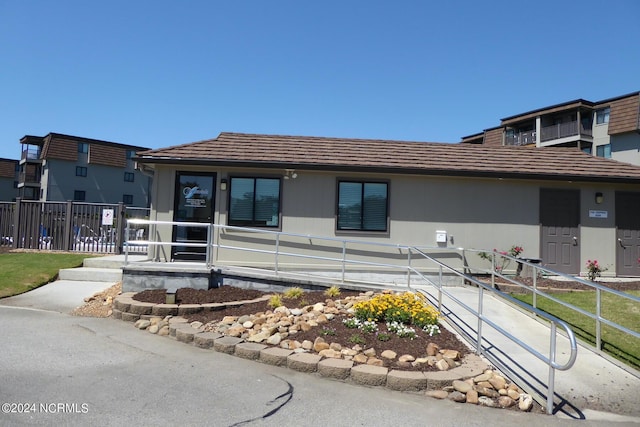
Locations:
(407, 308)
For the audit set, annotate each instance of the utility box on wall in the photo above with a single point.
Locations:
(441, 237)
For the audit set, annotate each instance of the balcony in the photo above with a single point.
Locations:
(521, 138)
(31, 152)
(29, 177)
(564, 130)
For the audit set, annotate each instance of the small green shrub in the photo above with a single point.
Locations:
(332, 292)
(383, 336)
(275, 301)
(293, 293)
(357, 339)
(352, 323)
(327, 331)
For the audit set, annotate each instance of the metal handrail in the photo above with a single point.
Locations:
(549, 360)
(554, 322)
(598, 288)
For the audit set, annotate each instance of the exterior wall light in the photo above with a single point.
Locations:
(223, 184)
(599, 198)
(290, 174)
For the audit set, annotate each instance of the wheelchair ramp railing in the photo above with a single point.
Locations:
(422, 269)
(479, 314)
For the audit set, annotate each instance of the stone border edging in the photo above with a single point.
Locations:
(128, 309)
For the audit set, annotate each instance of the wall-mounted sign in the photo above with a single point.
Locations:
(195, 196)
(107, 217)
(598, 214)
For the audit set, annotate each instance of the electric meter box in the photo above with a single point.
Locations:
(441, 237)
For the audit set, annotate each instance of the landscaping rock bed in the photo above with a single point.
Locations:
(310, 338)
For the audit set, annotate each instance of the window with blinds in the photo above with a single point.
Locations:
(254, 202)
(362, 206)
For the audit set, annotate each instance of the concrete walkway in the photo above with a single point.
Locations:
(61, 296)
(594, 388)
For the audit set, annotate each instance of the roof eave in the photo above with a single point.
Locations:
(396, 170)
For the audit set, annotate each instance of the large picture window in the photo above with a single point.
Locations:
(254, 202)
(362, 206)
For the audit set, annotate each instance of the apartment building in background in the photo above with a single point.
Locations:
(8, 179)
(608, 128)
(59, 167)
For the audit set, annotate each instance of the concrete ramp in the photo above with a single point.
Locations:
(593, 388)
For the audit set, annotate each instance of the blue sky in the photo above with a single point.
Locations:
(159, 73)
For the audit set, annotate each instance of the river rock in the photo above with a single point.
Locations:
(360, 358)
(483, 377)
(373, 361)
(451, 354)
(472, 397)
(142, 324)
(320, 344)
(506, 402)
(456, 396)
(461, 386)
(526, 402)
(438, 394)
(486, 401)
(498, 382)
(432, 349)
(274, 339)
(442, 365)
(406, 358)
(389, 354)
(513, 394)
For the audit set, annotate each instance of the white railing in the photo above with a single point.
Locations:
(538, 270)
(422, 280)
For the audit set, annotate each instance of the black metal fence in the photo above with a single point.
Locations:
(68, 226)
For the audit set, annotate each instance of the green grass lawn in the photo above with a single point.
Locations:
(614, 308)
(22, 271)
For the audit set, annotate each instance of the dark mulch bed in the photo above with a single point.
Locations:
(332, 331)
(199, 296)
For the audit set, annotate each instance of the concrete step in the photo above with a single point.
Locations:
(111, 261)
(91, 274)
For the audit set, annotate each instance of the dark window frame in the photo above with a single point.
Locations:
(129, 177)
(127, 199)
(83, 147)
(604, 151)
(362, 228)
(81, 171)
(603, 115)
(256, 223)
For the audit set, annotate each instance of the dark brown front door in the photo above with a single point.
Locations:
(628, 234)
(560, 228)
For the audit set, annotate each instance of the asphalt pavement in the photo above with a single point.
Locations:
(64, 370)
(126, 375)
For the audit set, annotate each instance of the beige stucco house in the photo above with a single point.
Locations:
(561, 204)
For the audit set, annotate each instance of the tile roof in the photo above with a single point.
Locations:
(301, 152)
